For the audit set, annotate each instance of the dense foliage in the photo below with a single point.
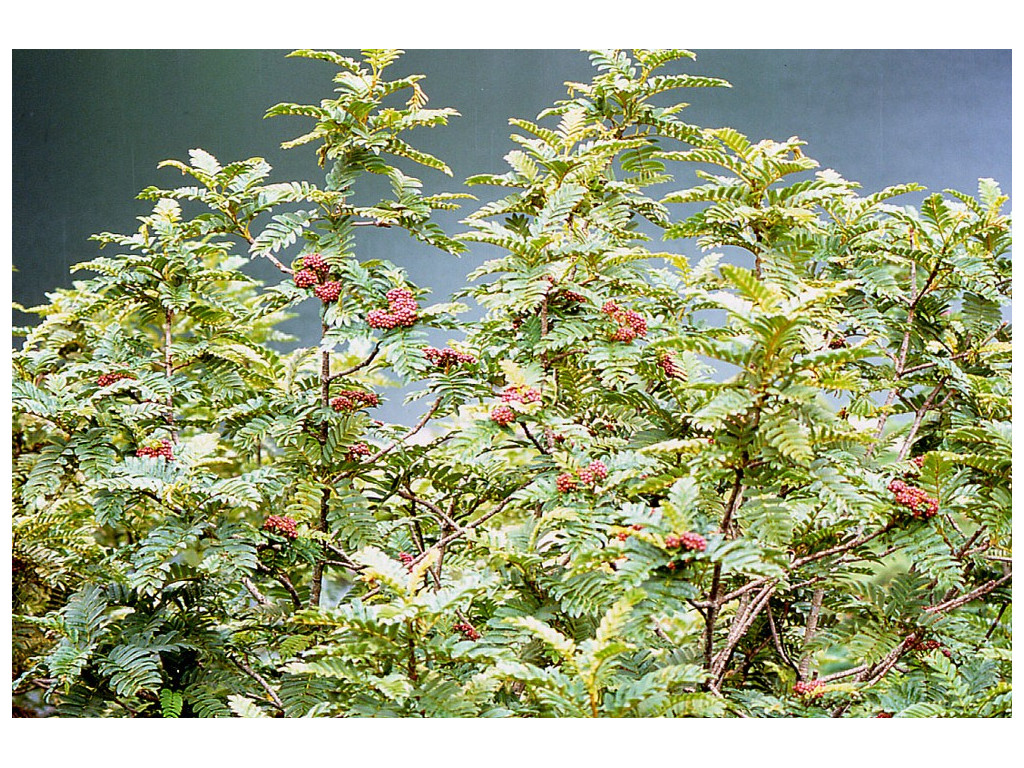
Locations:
(773, 481)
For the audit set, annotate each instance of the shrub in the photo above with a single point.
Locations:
(610, 507)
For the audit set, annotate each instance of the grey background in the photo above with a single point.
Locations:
(89, 128)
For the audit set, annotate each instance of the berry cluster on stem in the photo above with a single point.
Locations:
(520, 394)
(691, 541)
(669, 366)
(631, 325)
(349, 400)
(281, 525)
(923, 646)
(312, 273)
(589, 475)
(164, 449)
(809, 689)
(467, 630)
(402, 311)
(357, 451)
(328, 292)
(406, 559)
(503, 415)
(920, 504)
(109, 378)
(447, 358)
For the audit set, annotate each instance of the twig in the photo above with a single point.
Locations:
(387, 449)
(440, 513)
(778, 641)
(984, 589)
(919, 416)
(812, 628)
(271, 693)
(533, 439)
(287, 584)
(358, 366)
(739, 629)
(258, 596)
(714, 599)
(845, 673)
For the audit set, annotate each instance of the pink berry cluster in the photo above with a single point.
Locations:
(281, 525)
(349, 400)
(809, 689)
(917, 461)
(357, 451)
(923, 646)
(520, 394)
(669, 366)
(313, 273)
(406, 559)
(109, 378)
(572, 297)
(691, 541)
(565, 483)
(630, 324)
(467, 630)
(402, 311)
(503, 415)
(920, 504)
(164, 449)
(447, 358)
(884, 714)
(329, 292)
(589, 475)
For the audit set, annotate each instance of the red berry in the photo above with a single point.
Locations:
(693, 542)
(812, 689)
(503, 415)
(447, 358)
(281, 525)
(109, 378)
(354, 399)
(624, 334)
(378, 318)
(672, 541)
(356, 451)
(565, 483)
(305, 278)
(402, 310)
(162, 450)
(610, 308)
(520, 394)
(884, 714)
(920, 504)
(467, 630)
(314, 262)
(670, 367)
(599, 470)
(635, 322)
(328, 292)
